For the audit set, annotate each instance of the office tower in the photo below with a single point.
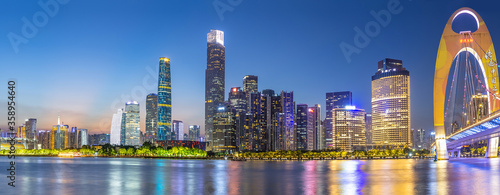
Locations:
(265, 121)
(178, 130)
(214, 79)
(84, 135)
(72, 138)
(478, 109)
(334, 100)
(132, 124)
(224, 134)
(253, 121)
(31, 134)
(268, 92)
(116, 128)
(194, 132)
(277, 141)
(151, 117)
(44, 139)
(368, 128)
(314, 131)
(288, 106)
(349, 128)
(250, 84)
(164, 121)
(301, 119)
(419, 139)
(275, 124)
(237, 100)
(58, 135)
(391, 104)
(21, 131)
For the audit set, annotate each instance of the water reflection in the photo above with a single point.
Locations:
(160, 176)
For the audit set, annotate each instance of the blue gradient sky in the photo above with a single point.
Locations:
(93, 56)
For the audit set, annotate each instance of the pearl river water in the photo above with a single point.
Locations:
(52, 175)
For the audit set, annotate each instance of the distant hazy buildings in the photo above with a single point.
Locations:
(84, 137)
(164, 101)
(334, 100)
(132, 124)
(178, 130)
(391, 104)
(116, 128)
(99, 139)
(194, 133)
(151, 117)
(348, 128)
(214, 79)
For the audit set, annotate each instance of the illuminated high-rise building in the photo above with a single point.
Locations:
(58, 135)
(151, 117)
(250, 84)
(391, 104)
(301, 120)
(334, 100)
(194, 133)
(224, 134)
(72, 141)
(164, 117)
(116, 128)
(289, 135)
(84, 137)
(348, 128)
(368, 128)
(31, 134)
(314, 130)
(177, 130)
(44, 139)
(214, 80)
(237, 100)
(132, 124)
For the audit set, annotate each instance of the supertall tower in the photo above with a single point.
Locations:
(391, 104)
(164, 120)
(214, 79)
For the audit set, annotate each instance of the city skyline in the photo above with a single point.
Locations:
(80, 106)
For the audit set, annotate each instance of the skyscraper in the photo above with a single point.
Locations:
(368, 128)
(237, 100)
(84, 135)
(58, 136)
(288, 106)
(348, 128)
(132, 124)
(116, 128)
(177, 130)
(164, 101)
(194, 132)
(302, 126)
(214, 79)
(334, 100)
(224, 139)
(31, 134)
(72, 141)
(250, 84)
(151, 117)
(315, 133)
(391, 104)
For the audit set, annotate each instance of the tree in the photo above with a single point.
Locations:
(131, 151)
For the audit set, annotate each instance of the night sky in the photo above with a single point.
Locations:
(90, 57)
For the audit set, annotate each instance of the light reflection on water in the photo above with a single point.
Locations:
(161, 176)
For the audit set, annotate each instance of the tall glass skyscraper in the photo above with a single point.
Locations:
(151, 117)
(116, 128)
(194, 132)
(288, 106)
(132, 124)
(31, 134)
(84, 135)
(391, 104)
(334, 100)
(164, 101)
(178, 130)
(214, 79)
(301, 126)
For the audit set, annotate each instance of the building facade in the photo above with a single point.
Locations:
(178, 130)
(391, 120)
(348, 128)
(250, 84)
(164, 111)
(301, 128)
(334, 100)
(224, 134)
(116, 128)
(151, 117)
(132, 124)
(194, 133)
(288, 106)
(214, 80)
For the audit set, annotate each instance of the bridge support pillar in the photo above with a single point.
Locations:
(441, 150)
(492, 148)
